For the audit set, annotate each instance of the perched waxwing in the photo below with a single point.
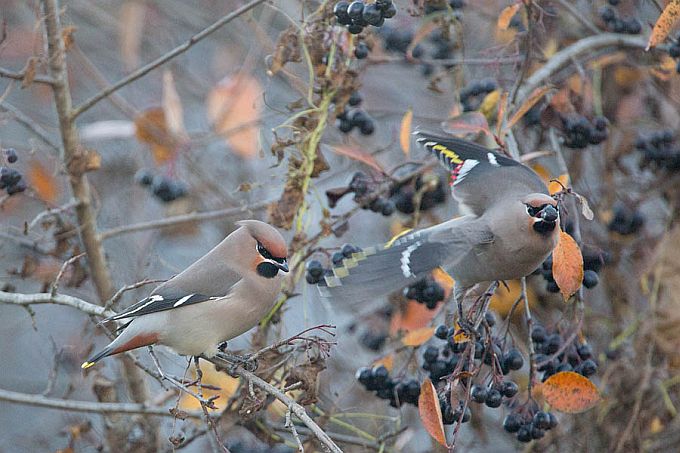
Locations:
(220, 296)
(510, 226)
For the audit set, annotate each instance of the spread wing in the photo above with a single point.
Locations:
(479, 174)
(156, 303)
(379, 270)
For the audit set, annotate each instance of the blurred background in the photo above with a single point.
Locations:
(285, 115)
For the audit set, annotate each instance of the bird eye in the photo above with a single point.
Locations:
(263, 251)
(533, 211)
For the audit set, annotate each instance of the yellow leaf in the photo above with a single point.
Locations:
(567, 265)
(227, 386)
(490, 103)
(504, 298)
(656, 426)
(42, 182)
(535, 96)
(626, 76)
(430, 412)
(405, 132)
(570, 392)
(666, 21)
(418, 336)
(506, 16)
(461, 336)
(554, 186)
(233, 107)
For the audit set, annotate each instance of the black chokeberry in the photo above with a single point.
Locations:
(590, 279)
(355, 29)
(340, 10)
(361, 50)
(512, 422)
(314, 271)
(431, 354)
(390, 11)
(585, 351)
(355, 9)
(364, 375)
(355, 99)
(493, 398)
(541, 420)
(11, 155)
(478, 394)
(509, 389)
(553, 343)
(372, 14)
(441, 332)
(513, 359)
(388, 208)
(587, 368)
(144, 177)
(524, 433)
(538, 334)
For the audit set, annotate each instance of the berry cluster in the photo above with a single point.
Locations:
(462, 413)
(378, 380)
(431, 188)
(165, 189)
(615, 23)
(659, 149)
(426, 291)
(473, 94)
(579, 132)
(355, 118)
(592, 264)
(357, 15)
(10, 178)
(625, 220)
(364, 189)
(574, 357)
(529, 424)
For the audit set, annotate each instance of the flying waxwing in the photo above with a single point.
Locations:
(510, 226)
(222, 295)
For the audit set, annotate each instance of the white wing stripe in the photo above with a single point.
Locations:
(492, 159)
(406, 259)
(182, 300)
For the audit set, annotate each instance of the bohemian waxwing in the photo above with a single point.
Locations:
(222, 295)
(510, 226)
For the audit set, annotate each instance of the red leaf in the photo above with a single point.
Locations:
(358, 154)
(567, 265)
(570, 392)
(430, 412)
(467, 123)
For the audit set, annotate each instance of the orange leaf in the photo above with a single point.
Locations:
(461, 336)
(535, 96)
(667, 20)
(151, 128)
(567, 265)
(418, 336)
(430, 412)
(233, 107)
(570, 392)
(405, 131)
(467, 123)
(506, 16)
(387, 362)
(226, 385)
(42, 181)
(554, 187)
(358, 154)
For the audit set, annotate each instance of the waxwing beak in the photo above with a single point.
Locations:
(283, 266)
(549, 214)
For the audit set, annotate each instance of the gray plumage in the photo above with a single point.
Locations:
(220, 296)
(495, 241)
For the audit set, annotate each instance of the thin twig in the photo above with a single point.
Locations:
(22, 75)
(55, 285)
(87, 406)
(298, 410)
(31, 125)
(109, 303)
(164, 58)
(290, 425)
(179, 219)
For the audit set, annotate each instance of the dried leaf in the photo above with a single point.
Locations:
(172, 106)
(467, 123)
(506, 16)
(570, 392)
(533, 98)
(387, 362)
(554, 186)
(151, 128)
(42, 181)
(490, 103)
(666, 21)
(585, 207)
(29, 72)
(308, 375)
(405, 132)
(67, 36)
(567, 265)
(130, 28)
(430, 412)
(356, 153)
(460, 336)
(233, 107)
(287, 50)
(418, 336)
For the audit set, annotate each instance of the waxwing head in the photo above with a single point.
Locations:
(265, 248)
(543, 213)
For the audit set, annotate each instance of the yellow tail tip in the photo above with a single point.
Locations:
(87, 365)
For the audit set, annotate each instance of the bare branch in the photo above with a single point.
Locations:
(179, 219)
(87, 406)
(21, 75)
(58, 299)
(164, 58)
(294, 407)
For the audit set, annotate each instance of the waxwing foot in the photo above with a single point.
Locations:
(247, 361)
